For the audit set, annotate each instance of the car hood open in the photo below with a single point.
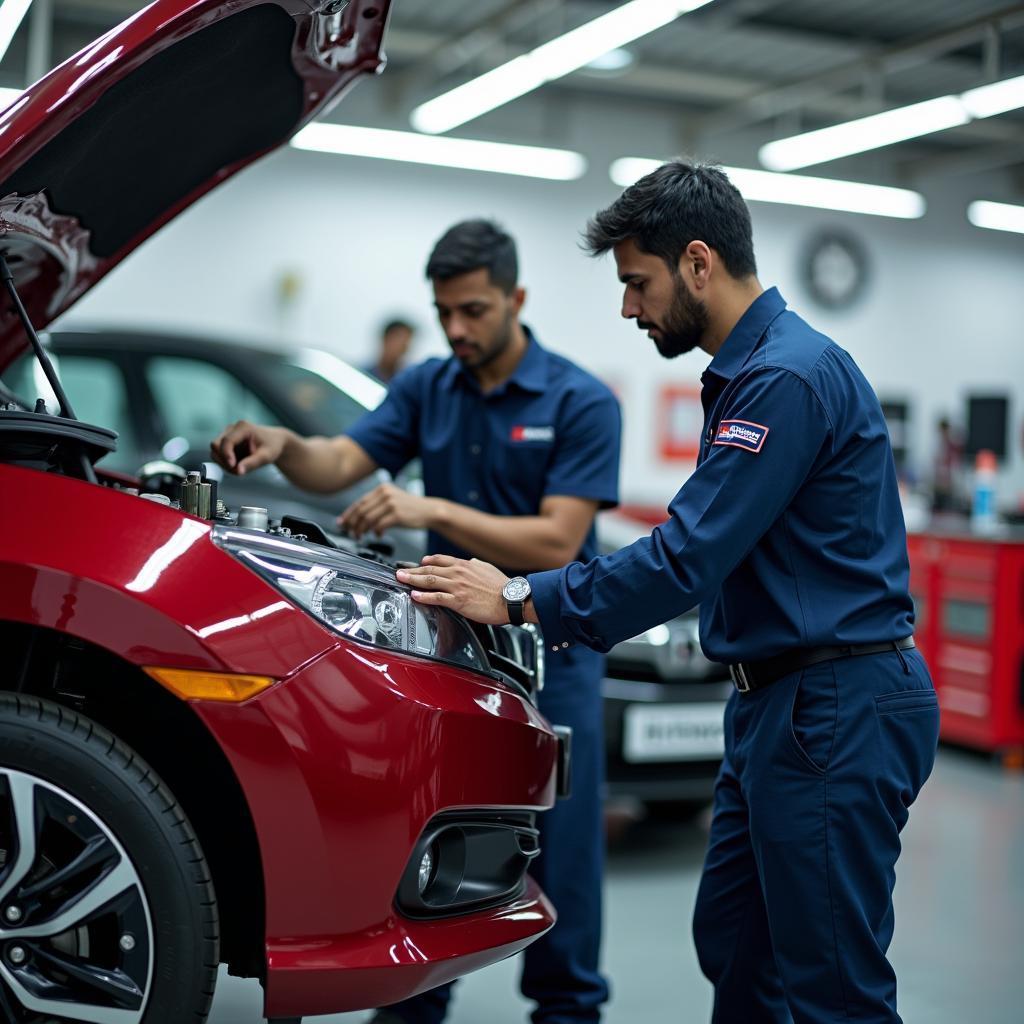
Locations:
(122, 137)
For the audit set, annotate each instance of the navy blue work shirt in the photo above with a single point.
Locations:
(550, 429)
(789, 533)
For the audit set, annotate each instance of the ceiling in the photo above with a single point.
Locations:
(757, 68)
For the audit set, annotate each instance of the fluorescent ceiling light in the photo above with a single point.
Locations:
(798, 190)
(892, 126)
(12, 12)
(547, 62)
(614, 60)
(997, 98)
(470, 154)
(997, 216)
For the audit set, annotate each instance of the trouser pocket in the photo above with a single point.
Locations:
(908, 726)
(813, 716)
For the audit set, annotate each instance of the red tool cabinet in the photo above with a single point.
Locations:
(969, 595)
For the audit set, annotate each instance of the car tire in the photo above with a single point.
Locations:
(107, 909)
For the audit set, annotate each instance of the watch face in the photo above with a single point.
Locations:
(517, 589)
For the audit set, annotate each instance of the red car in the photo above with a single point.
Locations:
(223, 739)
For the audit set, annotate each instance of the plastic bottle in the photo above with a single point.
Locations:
(983, 507)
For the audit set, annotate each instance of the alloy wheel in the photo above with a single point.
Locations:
(76, 936)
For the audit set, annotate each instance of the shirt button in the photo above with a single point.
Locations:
(475, 449)
(564, 645)
(473, 495)
(554, 647)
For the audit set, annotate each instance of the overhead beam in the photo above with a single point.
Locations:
(974, 160)
(451, 55)
(772, 102)
(672, 84)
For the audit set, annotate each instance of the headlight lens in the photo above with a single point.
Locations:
(356, 598)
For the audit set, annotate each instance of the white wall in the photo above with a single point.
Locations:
(943, 314)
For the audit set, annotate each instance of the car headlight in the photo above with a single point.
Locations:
(356, 598)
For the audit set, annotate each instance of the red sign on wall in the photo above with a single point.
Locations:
(680, 422)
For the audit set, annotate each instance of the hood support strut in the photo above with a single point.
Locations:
(44, 360)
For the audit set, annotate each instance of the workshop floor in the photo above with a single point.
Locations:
(959, 913)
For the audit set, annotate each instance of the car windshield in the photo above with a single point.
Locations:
(324, 388)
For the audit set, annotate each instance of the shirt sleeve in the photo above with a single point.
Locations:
(587, 450)
(390, 434)
(731, 500)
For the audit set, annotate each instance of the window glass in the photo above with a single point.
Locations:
(332, 409)
(196, 399)
(97, 391)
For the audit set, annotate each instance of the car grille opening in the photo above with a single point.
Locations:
(465, 862)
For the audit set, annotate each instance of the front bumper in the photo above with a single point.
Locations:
(344, 765)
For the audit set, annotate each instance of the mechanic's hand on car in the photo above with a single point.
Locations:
(471, 588)
(386, 506)
(244, 446)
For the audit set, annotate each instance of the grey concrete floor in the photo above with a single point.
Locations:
(959, 902)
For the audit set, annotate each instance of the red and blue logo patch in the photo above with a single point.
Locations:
(533, 434)
(741, 434)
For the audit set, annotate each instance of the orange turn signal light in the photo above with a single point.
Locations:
(192, 684)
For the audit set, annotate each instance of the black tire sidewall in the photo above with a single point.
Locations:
(55, 745)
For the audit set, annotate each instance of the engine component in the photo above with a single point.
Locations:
(196, 496)
(252, 517)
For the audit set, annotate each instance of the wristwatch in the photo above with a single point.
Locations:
(516, 593)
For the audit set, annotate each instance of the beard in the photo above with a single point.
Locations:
(685, 323)
(483, 356)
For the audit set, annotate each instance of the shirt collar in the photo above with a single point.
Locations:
(745, 336)
(530, 375)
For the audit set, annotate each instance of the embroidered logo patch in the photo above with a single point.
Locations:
(741, 434)
(533, 433)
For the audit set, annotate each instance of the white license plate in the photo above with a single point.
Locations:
(673, 732)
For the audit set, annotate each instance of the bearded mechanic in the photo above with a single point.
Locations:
(790, 535)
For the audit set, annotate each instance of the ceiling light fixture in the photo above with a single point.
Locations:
(614, 60)
(468, 154)
(891, 126)
(798, 190)
(12, 13)
(551, 60)
(997, 216)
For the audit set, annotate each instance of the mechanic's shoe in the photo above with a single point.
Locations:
(385, 1017)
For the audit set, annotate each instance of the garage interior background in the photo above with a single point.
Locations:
(937, 316)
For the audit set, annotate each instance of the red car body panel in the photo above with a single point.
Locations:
(343, 762)
(410, 957)
(343, 766)
(353, 750)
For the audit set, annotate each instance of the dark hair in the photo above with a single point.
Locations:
(397, 324)
(475, 245)
(671, 207)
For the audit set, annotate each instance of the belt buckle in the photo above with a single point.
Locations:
(739, 677)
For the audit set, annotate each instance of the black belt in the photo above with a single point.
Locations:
(752, 675)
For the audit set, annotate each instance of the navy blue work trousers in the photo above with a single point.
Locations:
(560, 970)
(794, 914)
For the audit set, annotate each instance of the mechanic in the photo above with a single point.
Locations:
(790, 535)
(520, 448)
(396, 337)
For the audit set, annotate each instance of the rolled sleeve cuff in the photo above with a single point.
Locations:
(547, 603)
